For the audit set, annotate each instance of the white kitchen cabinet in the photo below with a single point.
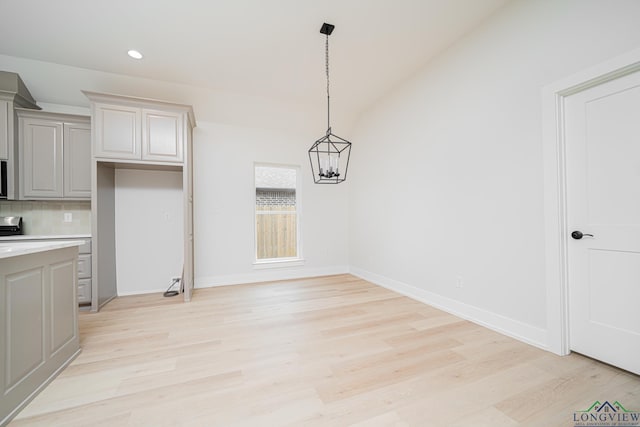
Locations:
(162, 138)
(84, 263)
(117, 131)
(84, 266)
(138, 134)
(138, 130)
(55, 156)
(77, 160)
(39, 321)
(84, 273)
(84, 291)
(41, 158)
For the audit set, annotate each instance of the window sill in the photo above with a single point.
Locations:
(278, 263)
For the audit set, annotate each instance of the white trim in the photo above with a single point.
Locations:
(268, 276)
(556, 230)
(278, 263)
(513, 328)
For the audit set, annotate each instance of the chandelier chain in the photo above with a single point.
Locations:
(327, 71)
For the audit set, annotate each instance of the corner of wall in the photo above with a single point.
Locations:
(501, 324)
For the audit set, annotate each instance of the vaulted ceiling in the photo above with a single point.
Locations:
(269, 48)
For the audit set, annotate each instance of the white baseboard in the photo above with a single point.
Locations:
(268, 276)
(504, 325)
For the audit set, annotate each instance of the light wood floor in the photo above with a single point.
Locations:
(330, 351)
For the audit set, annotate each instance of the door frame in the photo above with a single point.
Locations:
(555, 190)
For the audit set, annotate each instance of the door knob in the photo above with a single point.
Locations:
(579, 235)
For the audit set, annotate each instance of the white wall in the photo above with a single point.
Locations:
(225, 196)
(149, 229)
(233, 132)
(447, 181)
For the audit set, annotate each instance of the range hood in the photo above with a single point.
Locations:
(12, 88)
(13, 94)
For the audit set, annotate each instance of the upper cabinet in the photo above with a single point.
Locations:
(117, 131)
(162, 135)
(55, 156)
(77, 160)
(139, 130)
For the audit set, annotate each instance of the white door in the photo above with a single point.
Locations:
(602, 129)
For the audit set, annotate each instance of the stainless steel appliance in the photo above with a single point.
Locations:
(10, 225)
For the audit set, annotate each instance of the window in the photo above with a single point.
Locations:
(277, 218)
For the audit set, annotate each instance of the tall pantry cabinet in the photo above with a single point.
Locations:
(142, 134)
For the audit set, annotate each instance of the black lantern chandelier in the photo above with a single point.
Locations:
(329, 155)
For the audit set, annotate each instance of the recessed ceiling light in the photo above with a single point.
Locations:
(134, 54)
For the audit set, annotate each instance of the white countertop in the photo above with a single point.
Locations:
(43, 237)
(12, 249)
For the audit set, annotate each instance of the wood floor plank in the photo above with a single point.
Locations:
(326, 351)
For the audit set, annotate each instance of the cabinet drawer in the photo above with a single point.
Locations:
(84, 291)
(84, 266)
(85, 248)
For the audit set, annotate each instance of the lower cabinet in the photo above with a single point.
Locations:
(84, 274)
(84, 291)
(84, 264)
(39, 324)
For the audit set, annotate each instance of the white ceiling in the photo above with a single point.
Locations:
(269, 48)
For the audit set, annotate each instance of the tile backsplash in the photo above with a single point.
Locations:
(47, 217)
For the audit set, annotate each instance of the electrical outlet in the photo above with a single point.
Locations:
(459, 282)
(68, 217)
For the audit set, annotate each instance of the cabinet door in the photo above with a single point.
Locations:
(77, 160)
(162, 138)
(41, 149)
(4, 130)
(117, 132)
